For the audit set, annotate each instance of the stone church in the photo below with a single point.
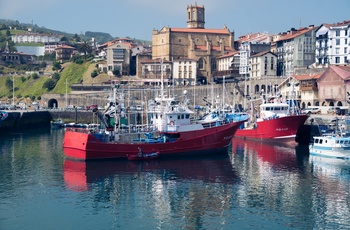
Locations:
(194, 42)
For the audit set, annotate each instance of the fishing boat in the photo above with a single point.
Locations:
(335, 146)
(56, 124)
(170, 132)
(3, 116)
(141, 156)
(276, 122)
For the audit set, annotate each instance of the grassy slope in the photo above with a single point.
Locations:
(73, 73)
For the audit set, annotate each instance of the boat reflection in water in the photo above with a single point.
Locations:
(329, 167)
(274, 154)
(78, 175)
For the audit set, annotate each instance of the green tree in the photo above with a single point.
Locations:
(85, 48)
(116, 72)
(64, 39)
(55, 77)
(76, 38)
(42, 65)
(9, 83)
(56, 66)
(35, 76)
(94, 73)
(49, 84)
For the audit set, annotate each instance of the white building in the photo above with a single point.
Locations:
(35, 38)
(263, 65)
(185, 71)
(333, 44)
(339, 43)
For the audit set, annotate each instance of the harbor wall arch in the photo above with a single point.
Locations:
(52, 103)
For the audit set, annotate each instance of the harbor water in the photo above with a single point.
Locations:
(253, 186)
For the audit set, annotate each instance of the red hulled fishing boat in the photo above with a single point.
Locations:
(276, 121)
(170, 131)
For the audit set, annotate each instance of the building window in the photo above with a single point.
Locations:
(345, 59)
(337, 42)
(118, 54)
(337, 33)
(213, 64)
(200, 63)
(346, 41)
(345, 50)
(337, 60)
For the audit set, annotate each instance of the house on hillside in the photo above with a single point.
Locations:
(64, 53)
(119, 58)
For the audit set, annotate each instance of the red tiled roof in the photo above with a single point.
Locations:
(307, 77)
(229, 54)
(207, 31)
(296, 33)
(258, 37)
(342, 71)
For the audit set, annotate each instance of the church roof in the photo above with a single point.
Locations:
(197, 30)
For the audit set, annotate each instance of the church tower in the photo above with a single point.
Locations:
(195, 17)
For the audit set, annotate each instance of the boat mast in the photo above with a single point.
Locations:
(162, 95)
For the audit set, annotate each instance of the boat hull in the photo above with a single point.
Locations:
(331, 146)
(341, 153)
(282, 129)
(80, 144)
(143, 157)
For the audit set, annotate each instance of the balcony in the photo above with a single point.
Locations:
(308, 87)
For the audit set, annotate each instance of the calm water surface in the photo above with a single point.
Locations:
(253, 186)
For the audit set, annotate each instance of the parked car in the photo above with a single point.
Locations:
(340, 111)
(311, 111)
(333, 110)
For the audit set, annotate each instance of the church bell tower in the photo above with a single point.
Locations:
(195, 17)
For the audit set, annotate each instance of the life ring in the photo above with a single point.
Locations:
(171, 123)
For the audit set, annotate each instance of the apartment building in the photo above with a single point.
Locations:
(295, 49)
(333, 44)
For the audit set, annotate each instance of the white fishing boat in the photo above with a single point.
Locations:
(334, 145)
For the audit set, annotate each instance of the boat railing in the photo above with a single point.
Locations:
(136, 128)
(78, 130)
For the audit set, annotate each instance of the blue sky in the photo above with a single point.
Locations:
(137, 18)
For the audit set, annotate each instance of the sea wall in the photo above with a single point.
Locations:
(25, 119)
(31, 119)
